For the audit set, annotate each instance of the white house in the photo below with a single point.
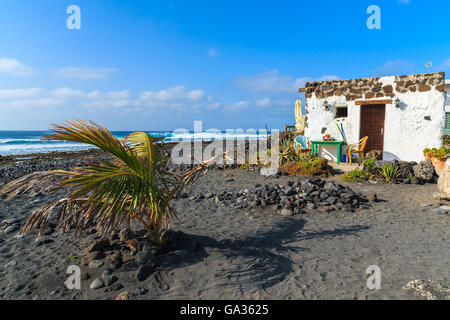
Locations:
(401, 115)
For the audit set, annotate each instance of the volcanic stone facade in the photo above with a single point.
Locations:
(370, 88)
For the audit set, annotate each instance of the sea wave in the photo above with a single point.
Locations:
(22, 142)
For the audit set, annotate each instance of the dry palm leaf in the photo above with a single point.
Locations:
(107, 194)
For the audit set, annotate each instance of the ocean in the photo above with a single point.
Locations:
(26, 142)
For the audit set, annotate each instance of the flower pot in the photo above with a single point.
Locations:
(438, 164)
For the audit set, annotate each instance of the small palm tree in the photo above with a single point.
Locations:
(133, 185)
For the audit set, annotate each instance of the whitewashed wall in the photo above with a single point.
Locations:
(406, 133)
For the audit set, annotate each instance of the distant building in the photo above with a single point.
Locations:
(401, 115)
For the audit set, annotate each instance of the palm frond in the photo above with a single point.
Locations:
(47, 181)
(134, 185)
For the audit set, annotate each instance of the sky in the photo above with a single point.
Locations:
(160, 65)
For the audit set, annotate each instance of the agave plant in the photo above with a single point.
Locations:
(390, 172)
(285, 144)
(133, 185)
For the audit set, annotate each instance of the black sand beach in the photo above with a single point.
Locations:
(239, 253)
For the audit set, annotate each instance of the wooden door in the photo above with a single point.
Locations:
(372, 125)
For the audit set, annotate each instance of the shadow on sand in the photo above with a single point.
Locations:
(260, 260)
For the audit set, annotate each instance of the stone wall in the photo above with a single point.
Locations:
(369, 88)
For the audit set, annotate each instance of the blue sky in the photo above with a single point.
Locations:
(156, 65)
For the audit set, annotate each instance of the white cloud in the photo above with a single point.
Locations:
(271, 82)
(238, 106)
(258, 104)
(396, 67)
(65, 93)
(328, 78)
(264, 102)
(213, 106)
(85, 73)
(19, 93)
(177, 97)
(279, 91)
(212, 52)
(14, 67)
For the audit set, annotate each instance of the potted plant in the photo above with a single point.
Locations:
(437, 157)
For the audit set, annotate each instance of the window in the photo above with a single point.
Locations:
(341, 112)
(447, 123)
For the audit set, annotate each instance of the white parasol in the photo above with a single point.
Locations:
(299, 118)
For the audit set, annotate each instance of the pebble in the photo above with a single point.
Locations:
(144, 257)
(95, 264)
(44, 241)
(11, 229)
(11, 221)
(97, 284)
(440, 211)
(114, 287)
(141, 291)
(10, 264)
(123, 296)
(286, 212)
(107, 273)
(109, 280)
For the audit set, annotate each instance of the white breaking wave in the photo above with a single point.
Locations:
(16, 143)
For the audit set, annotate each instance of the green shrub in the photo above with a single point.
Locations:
(284, 144)
(369, 163)
(390, 172)
(245, 165)
(440, 153)
(308, 165)
(447, 141)
(355, 176)
(288, 155)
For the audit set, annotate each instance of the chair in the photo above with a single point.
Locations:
(356, 148)
(300, 142)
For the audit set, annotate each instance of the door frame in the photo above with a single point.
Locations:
(384, 123)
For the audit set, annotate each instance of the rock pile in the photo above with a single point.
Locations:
(11, 172)
(428, 289)
(412, 172)
(132, 251)
(425, 171)
(294, 198)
